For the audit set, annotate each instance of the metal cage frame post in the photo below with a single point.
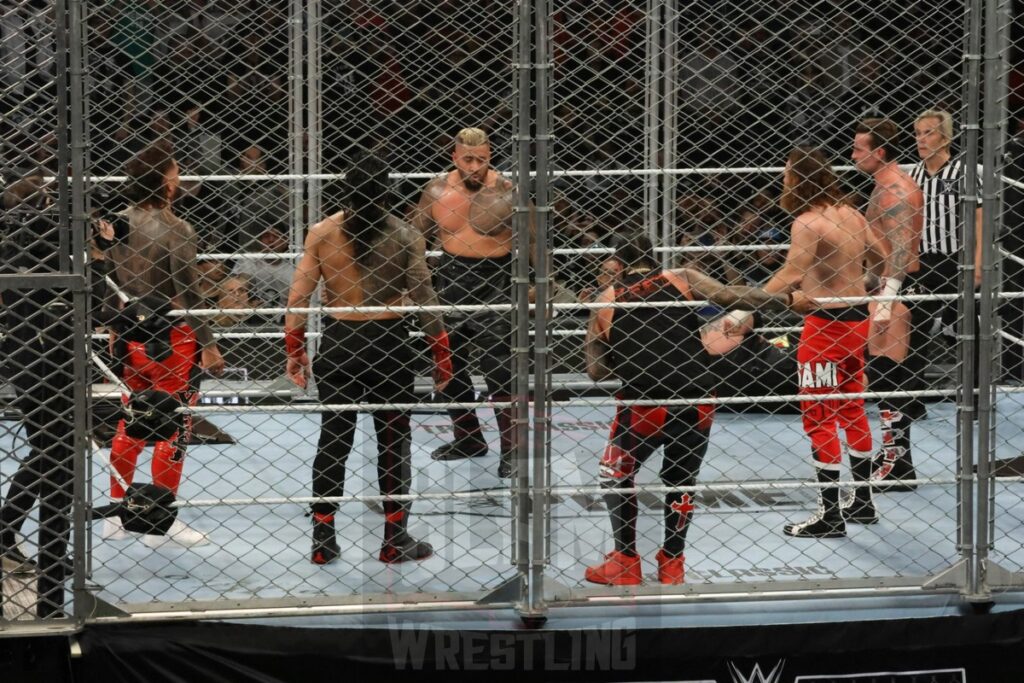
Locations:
(993, 139)
(967, 329)
(521, 319)
(653, 122)
(540, 488)
(669, 123)
(82, 319)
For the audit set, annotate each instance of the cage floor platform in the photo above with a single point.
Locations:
(260, 550)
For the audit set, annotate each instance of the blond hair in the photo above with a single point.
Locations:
(945, 121)
(472, 137)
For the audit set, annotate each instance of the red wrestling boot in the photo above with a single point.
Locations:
(671, 570)
(618, 569)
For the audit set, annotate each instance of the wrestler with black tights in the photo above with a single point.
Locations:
(364, 257)
(661, 352)
(468, 213)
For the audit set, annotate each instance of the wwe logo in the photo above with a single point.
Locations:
(755, 675)
(949, 185)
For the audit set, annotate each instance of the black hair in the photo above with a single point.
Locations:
(634, 250)
(367, 196)
(146, 173)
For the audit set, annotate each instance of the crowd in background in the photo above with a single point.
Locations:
(752, 80)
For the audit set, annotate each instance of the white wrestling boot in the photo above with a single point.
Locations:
(180, 534)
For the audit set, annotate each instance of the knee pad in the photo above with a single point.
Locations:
(147, 323)
(617, 464)
(647, 421)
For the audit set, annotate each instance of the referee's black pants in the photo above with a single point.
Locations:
(39, 349)
(938, 274)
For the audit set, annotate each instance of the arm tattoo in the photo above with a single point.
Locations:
(741, 296)
(736, 296)
(417, 277)
(898, 225)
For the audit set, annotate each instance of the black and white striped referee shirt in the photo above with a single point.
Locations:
(942, 231)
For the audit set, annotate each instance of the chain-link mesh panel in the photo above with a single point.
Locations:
(39, 406)
(673, 122)
(676, 123)
(304, 136)
(999, 435)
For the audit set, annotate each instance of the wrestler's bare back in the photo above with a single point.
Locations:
(477, 224)
(841, 239)
(392, 268)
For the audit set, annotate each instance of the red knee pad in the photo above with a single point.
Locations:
(705, 416)
(647, 420)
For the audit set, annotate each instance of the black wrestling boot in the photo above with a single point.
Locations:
(404, 548)
(894, 468)
(820, 525)
(325, 545)
(505, 466)
(828, 521)
(468, 447)
(858, 511)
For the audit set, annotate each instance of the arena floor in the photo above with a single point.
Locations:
(260, 550)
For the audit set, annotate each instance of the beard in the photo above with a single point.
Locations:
(472, 181)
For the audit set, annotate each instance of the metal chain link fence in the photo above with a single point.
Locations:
(358, 186)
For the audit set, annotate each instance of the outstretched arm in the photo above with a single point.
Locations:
(735, 296)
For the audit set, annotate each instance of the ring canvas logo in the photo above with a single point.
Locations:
(756, 675)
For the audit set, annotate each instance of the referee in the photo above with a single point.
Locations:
(38, 357)
(942, 182)
(941, 179)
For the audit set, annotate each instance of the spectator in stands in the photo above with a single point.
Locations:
(700, 224)
(211, 274)
(254, 205)
(111, 84)
(134, 38)
(139, 133)
(269, 278)
(708, 86)
(233, 292)
(609, 273)
(755, 224)
(197, 143)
